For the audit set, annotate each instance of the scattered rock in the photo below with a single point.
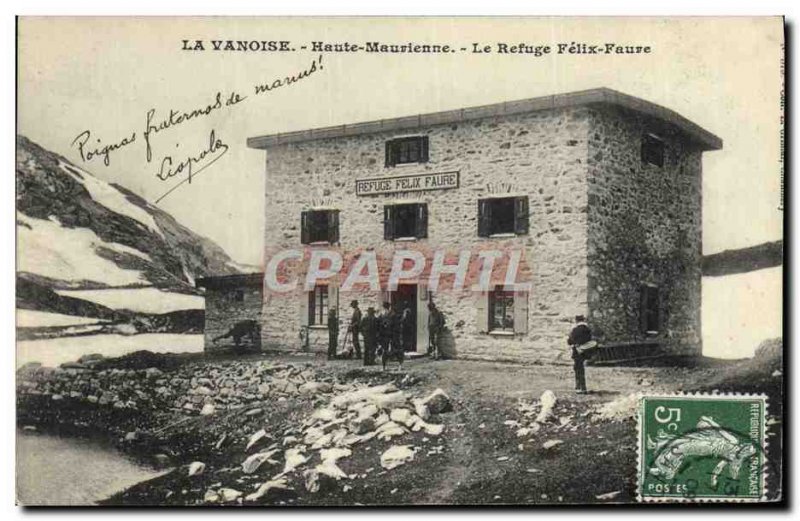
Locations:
(252, 463)
(227, 495)
(438, 402)
(396, 455)
(196, 468)
(255, 438)
(608, 495)
(548, 402)
(274, 484)
(549, 444)
(208, 409)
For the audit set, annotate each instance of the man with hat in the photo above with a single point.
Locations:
(355, 325)
(370, 326)
(580, 340)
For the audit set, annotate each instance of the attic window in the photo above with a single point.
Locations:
(407, 150)
(652, 150)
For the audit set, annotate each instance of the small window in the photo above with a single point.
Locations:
(318, 306)
(319, 226)
(503, 215)
(238, 295)
(501, 310)
(650, 310)
(652, 150)
(407, 150)
(405, 221)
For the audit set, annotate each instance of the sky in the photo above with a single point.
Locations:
(104, 76)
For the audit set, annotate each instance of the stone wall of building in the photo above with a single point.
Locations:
(540, 154)
(225, 307)
(645, 227)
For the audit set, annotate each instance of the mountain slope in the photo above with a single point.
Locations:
(729, 262)
(77, 231)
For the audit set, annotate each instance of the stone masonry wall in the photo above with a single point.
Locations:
(540, 154)
(645, 227)
(223, 311)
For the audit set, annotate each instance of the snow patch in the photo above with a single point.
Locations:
(33, 318)
(55, 351)
(142, 300)
(108, 196)
(69, 254)
(740, 311)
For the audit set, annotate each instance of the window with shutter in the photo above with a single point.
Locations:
(405, 221)
(406, 150)
(503, 216)
(318, 303)
(319, 226)
(501, 310)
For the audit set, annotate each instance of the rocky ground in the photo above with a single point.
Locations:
(302, 431)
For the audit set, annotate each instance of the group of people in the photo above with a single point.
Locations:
(388, 334)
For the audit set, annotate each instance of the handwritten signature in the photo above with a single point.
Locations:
(214, 150)
(91, 147)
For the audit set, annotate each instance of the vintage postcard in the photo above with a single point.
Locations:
(301, 261)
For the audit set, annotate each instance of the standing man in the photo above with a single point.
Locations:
(435, 326)
(355, 324)
(333, 332)
(407, 324)
(385, 333)
(579, 340)
(370, 328)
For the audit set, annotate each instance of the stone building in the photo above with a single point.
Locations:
(601, 191)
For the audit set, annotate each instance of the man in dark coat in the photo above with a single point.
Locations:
(407, 325)
(333, 333)
(435, 326)
(355, 324)
(384, 330)
(370, 328)
(578, 339)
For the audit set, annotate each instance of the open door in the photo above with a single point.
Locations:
(406, 297)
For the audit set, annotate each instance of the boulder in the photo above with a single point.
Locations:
(438, 402)
(208, 409)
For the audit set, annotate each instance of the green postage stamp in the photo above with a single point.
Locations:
(702, 448)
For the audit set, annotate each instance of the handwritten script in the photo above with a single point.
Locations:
(183, 167)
